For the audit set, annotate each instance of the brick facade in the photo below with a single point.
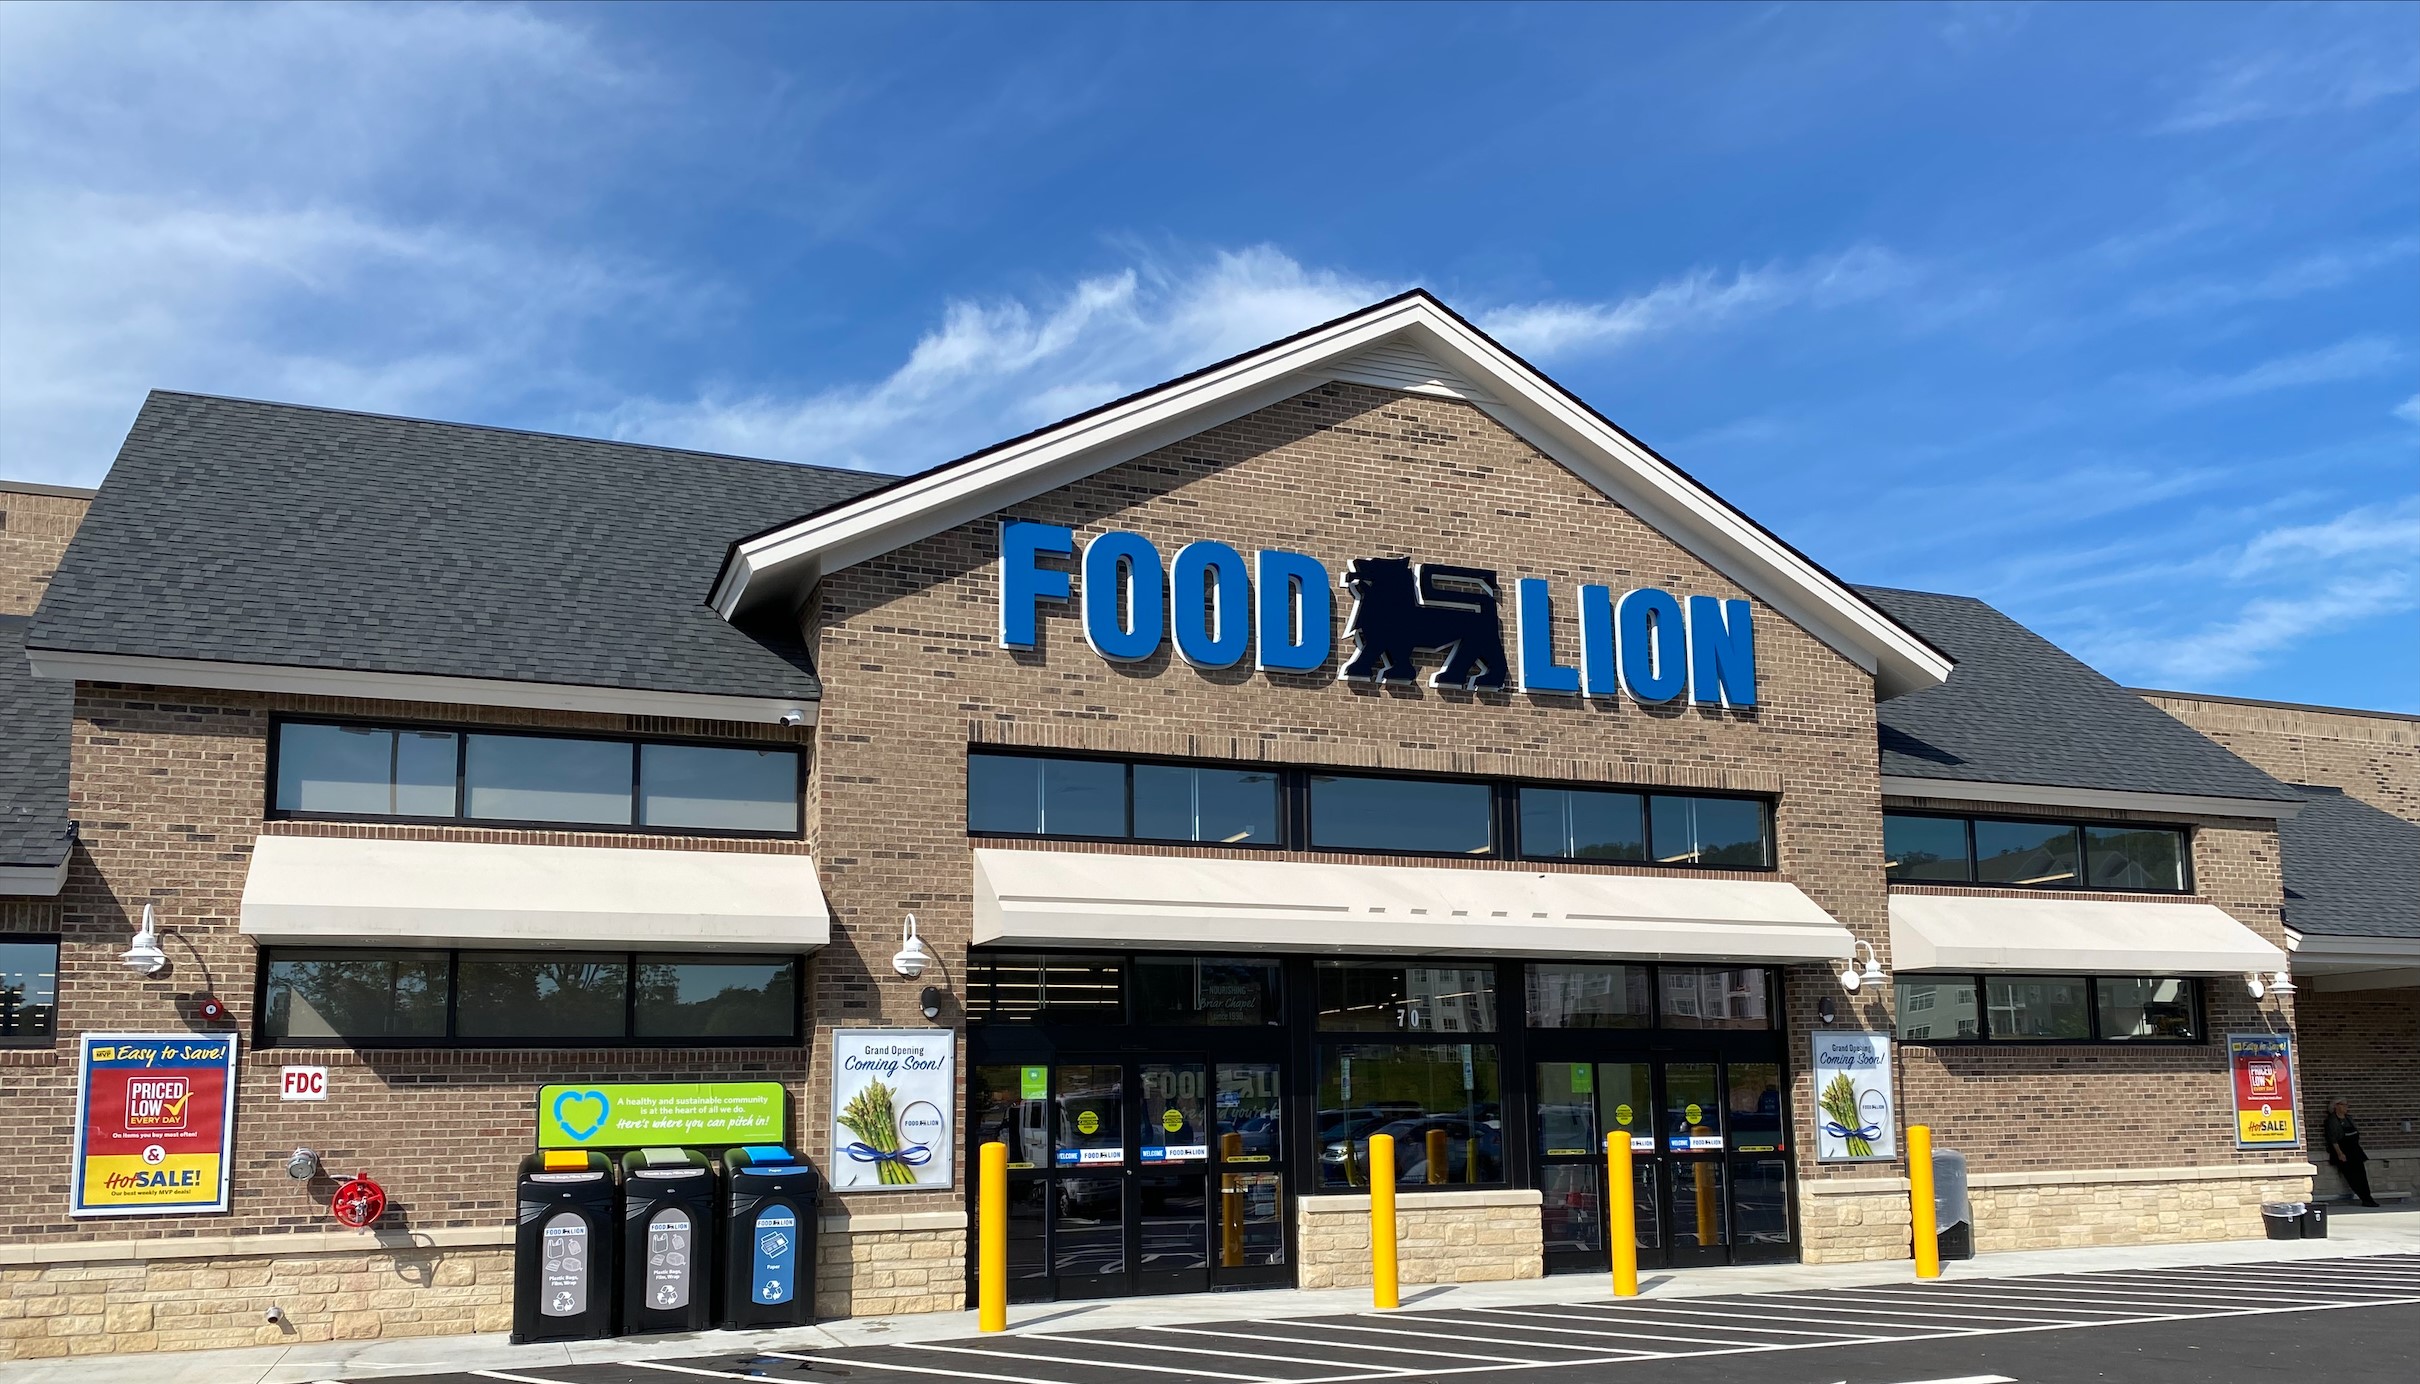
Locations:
(36, 523)
(2372, 755)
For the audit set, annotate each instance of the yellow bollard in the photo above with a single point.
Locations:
(991, 1265)
(1231, 1206)
(1436, 1156)
(1920, 1200)
(1382, 1221)
(1708, 1232)
(1622, 1214)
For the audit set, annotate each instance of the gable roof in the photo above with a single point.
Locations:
(2351, 869)
(2022, 720)
(1411, 341)
(36, 720)
(484, 564)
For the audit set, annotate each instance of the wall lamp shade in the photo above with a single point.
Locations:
(1851, 977)
(911, 958)
(145, 955)
(2279, 984)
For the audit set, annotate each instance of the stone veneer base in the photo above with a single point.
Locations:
(1847, 1221)
(1440, 1237)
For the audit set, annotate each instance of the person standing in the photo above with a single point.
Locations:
(2344, 1151)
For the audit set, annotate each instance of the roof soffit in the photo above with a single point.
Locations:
(1393, 340)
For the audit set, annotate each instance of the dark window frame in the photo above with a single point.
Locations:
(267, 957)
(2076, 827)
(58, 958)
(2198, 987)
(462, 733)
(1294, 811)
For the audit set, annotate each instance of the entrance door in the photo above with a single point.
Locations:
(1709, 1157)
(1136, 1174)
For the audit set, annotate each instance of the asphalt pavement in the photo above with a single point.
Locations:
(2343, 1320)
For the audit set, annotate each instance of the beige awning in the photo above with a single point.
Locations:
(1952, 932)
(1069, 898)
(342, 891)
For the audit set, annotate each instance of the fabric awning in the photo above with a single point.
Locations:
(1064, 898)
(1951, 932)
(333, 890)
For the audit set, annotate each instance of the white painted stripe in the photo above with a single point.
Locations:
(1082, 1363)
(514, 1378)
(1585, 1331)
(1735, 1319)
(2267, 1275)
(857, 1363)
(2145, 1295)
(677, 1369)
(1821, 1302)
(1158, 1346)
(1967, 1379)
(1953, 1297)
(1443, 1336)
(1346, 1345)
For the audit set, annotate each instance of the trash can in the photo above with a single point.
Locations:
(2283, 1219)
(2315, 1222)
(768, 1238)
(563, 1248)
(668, 1198)
(1953, 1213)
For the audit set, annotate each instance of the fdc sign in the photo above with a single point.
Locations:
(1277, 607)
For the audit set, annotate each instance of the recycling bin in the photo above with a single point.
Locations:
(563, 1247)
(1953, 1210)
(2315, 1222)
(768, 1238)
(2283, 1219)
(668, 1218)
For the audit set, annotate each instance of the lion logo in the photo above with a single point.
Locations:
(1401, 609)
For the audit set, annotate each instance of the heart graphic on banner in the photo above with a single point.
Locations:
(573, 1106)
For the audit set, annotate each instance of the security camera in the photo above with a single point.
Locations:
(794, 716)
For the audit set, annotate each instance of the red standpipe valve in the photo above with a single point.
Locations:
(358, 1202)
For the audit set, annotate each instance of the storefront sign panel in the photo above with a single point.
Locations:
(155, 1124)
(1854, 1121)
(892, 1094)
(627, 1115)
(2262, 1065)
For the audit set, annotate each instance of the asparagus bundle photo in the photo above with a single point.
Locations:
(870, 1116)
(1840, 1104)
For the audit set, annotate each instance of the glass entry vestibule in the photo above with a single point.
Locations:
(1163, 1111)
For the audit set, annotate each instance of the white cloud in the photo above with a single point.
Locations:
(2334, 267)
(2268, 625)
(1700, 299)
(2351, 359)
(2387, 531)
(2409, 409)
(2368, 57)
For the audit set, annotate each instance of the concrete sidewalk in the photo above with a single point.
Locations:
(2352, 1231)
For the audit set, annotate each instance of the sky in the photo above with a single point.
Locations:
(2109, 316)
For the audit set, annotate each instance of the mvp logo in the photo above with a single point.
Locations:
(157, 1102)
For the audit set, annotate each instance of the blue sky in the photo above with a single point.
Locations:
(2110, 316)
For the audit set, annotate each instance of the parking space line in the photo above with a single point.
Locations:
(2063, 1302)
(1098, 1365)
(1638, 1335)
(855, 1362)
(1730, 1317)
(2236, 1275)
(1181, 1350)
(2095, 1292)
(514, 1378)
(1515, 1342)
(1825, 1310)
(1349, 1345)
(679, 1369)
(1981, 1297)
(1821, 1302)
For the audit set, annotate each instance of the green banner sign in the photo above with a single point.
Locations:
(622, 1116)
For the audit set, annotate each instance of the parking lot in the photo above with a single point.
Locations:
(2145, 1325)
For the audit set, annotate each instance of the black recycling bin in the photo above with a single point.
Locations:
(563, 1248)
(668, 1206)
(2315, 1222)
(768, 1238)
(1953, 1211)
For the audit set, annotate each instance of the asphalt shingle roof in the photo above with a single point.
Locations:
(276, 534)
(2351, 870)
(2018, 709)
(36, 715)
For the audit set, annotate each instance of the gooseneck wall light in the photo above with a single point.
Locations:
(145, 956)
(1851, 977)
(911, 958)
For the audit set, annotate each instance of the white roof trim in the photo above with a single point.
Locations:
(2134, 937)
(34, 880)
(1390, 337)
(413, 687)
(320, 890)
(2058, 795)
(1036, 898)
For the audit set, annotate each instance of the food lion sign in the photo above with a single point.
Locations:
(1278, 608)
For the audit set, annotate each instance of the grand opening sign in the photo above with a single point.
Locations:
(155, 1121)
(1646, 643)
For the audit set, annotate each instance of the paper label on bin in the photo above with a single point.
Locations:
(776, 1278)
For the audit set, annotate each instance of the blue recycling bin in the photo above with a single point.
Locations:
(768, 1238)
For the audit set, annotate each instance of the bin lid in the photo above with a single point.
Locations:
(770, 1158)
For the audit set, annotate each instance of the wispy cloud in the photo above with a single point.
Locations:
(2351, 359)
(2313, 60)
(2409, 409)
(2335, 267)
(1697, 300)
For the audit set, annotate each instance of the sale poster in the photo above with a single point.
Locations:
(155, 1124)
(2263, 1068)
(892, 1092)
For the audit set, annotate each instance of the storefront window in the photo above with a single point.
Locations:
(1924, 848)
(2134, 858)
(1181, 802)
(1756, 1125)
(2147, 1007)
(1387, 996)
(1932, 1007)
(365, 771)
(1581, 824)
(1434, 816)
(355, 996)
(29, 992)
(2039, 1006)
(715, 789)
(1716, 997)
(1251, 1112)
(1589, 997)
(1711, 833)
(1411, 1091)
(1028, 795)
(688, 997)
(1000, 1109)
(542, 995)
(2031, 853)
(1207, 990)
(1011, 987)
